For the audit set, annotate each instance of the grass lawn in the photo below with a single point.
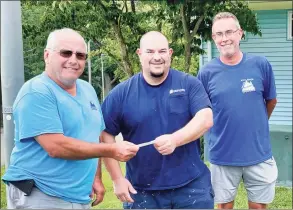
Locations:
(283, 198)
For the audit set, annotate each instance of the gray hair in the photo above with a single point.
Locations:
(224, 15)
(51, 41)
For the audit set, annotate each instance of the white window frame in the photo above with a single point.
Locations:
(289, 25)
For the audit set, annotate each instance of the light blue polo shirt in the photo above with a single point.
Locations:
(42, 107)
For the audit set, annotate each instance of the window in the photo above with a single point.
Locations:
(244, 37)
(289, 26)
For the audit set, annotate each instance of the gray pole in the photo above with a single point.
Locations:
(103, 85)
(12, 67)
(89, 62)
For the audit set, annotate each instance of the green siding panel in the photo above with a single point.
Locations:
(285, 90)
(277, 20)
(284, 95)
(282, 77)
(273, 31)
(260, 51)
(284, 100)
(282, 109)
(268, 40)
(269, 35)
(281, 63)
(282, 72)
(286, 105)
(280, 122)
(284, 82)
(284, 58)
(271, 44)
(281, 140)
(280, 118)
(274, 25)
(280, 113)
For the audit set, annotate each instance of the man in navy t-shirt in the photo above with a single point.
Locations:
(171, 110)
(242, 91)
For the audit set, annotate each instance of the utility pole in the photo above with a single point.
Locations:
(89, 62)
(103, 85)
(12, 67)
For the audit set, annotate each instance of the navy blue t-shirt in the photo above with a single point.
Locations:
(240, 135)
(142, 112)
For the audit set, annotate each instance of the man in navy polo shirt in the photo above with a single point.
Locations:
(172, 110)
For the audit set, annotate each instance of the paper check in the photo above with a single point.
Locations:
(146, 143)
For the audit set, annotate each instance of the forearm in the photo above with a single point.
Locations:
(199, 124)
(73, 149)
(84, 150)
(99, 169)
(112, 165)
(270, 104)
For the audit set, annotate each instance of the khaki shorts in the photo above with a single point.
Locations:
(259, 181)
(16, 199)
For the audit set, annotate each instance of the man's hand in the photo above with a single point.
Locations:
(98, 191)
(165, 144)
(124, 150)
(122, 187)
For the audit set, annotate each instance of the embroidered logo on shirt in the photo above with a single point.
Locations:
(176, 91)
(247, 86)
(93, 107)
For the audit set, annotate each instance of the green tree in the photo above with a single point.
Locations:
(192, 22)
(115, 27)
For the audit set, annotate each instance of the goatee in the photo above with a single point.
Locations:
(157, 75)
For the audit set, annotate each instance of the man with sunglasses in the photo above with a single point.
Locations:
(56, 159)
(242, 91)
(165, 112)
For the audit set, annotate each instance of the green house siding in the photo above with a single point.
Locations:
(276, 47)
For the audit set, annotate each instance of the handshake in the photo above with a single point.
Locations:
(124, 150)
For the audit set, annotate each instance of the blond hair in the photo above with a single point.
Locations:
(224, 15)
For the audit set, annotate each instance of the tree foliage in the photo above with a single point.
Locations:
(114, 28)
(192, 22)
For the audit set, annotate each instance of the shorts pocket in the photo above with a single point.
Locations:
(270, 161)
(212, 193)
(127, 205)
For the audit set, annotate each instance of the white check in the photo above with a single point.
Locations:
(146, 143)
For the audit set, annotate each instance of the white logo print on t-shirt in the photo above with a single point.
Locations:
(247, 86)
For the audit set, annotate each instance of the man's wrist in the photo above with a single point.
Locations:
(176, 138)
(117, 178)
(111, 150)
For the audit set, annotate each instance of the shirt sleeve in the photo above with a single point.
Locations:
(102, 127)
(36, 114)
(197, 95)
(269, 81)
(111, 112)
(202, 77)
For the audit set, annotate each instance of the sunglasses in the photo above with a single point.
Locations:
(69, 53)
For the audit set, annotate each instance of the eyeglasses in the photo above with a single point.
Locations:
(68, 53)
(228, 34)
